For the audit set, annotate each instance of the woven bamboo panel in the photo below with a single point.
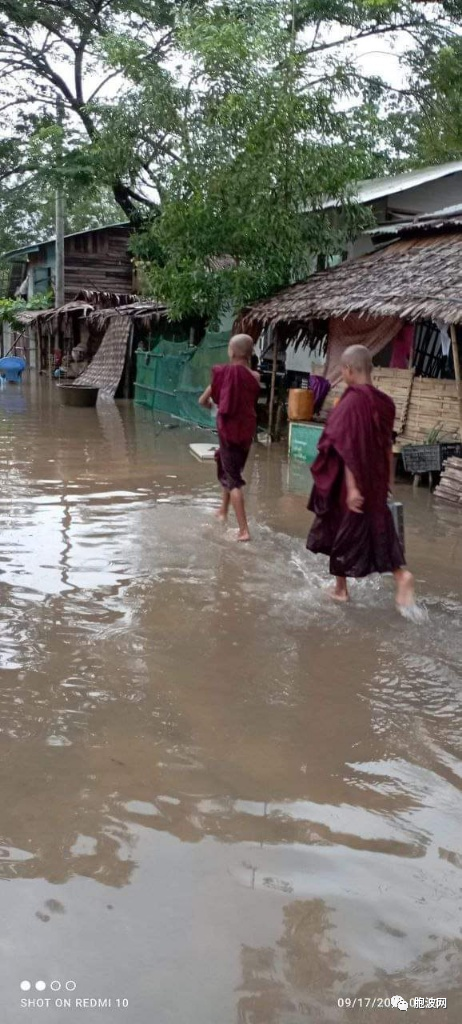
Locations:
(397, 384)
(329, 402)
(433, 404)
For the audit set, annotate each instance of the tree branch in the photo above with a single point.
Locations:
(15, 103)
(101, 85)
(78, 65)
(365, 34)
(19, 169)
(158, 48)
(37, 61)
(126, 197)
(139, 198)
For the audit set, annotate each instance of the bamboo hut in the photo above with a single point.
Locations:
(416, 279)
(95, 335)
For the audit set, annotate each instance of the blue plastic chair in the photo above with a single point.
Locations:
(12, 368)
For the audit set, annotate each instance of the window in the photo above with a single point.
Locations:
(41, 280)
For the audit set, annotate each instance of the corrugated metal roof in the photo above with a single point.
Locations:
(23, 251)
(447, 211)
(376, 188)
(389, 229)
(449, 219)
(35, 246)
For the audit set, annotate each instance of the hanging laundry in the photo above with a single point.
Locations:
(321, 387)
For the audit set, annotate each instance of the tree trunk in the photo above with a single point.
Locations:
(122, 197)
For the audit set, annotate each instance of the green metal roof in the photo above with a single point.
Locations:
(14, 254)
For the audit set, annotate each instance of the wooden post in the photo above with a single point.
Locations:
(39, 358)
(59, 243)
(128, 365)
(273, 386)
(278, 425)
(455, 353)
(455, 356)
(411, 354)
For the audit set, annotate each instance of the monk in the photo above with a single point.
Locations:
(234, 390)
(352, 473)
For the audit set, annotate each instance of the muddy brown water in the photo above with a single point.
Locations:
(222, 799)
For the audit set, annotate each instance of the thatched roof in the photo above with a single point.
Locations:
(44, 316)
(144, 312)
(104, 300)
(98, 315)
(415, 278)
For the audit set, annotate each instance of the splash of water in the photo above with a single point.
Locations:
(415, 613)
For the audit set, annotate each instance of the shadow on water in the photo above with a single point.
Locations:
(203, 754)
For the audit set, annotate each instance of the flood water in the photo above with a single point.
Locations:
(222, 799)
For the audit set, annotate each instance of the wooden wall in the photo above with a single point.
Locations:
(95, 260)
(99, 261)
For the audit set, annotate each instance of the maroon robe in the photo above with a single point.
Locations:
(235, 391)
(358, 435)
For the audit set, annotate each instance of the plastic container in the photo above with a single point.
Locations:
(301, 405)
(397, 511)
(79, 396)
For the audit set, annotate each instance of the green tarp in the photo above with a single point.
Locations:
(171, 377)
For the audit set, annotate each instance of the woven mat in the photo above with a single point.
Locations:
(107, 366)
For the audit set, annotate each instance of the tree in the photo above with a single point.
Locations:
(218, 125)
(59, 48)
(276, 118)
(434, 109)
(119, 66)
(27, 211)
(10, 308)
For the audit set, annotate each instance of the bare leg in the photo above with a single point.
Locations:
(222, 512)
(237, 501)
(405, 596)
(339, 592)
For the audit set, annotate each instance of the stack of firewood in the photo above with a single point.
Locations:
(450, 485)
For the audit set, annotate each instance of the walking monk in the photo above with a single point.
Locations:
(234, 389)
(352, 471)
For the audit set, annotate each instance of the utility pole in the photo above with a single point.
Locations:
(59, 245)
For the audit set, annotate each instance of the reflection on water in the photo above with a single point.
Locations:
(209, 773)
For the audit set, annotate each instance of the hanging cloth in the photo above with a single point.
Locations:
(402, 347)
(445, 340)
(373, 332)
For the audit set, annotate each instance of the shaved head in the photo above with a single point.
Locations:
(241, 346)
(357, 358)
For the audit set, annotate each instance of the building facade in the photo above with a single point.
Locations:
(96, 260)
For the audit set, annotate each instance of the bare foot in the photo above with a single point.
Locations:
(222, 516)
(243, 535)
(338, 595)
(405, 595)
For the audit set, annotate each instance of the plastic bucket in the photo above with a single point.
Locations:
(301, 405)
